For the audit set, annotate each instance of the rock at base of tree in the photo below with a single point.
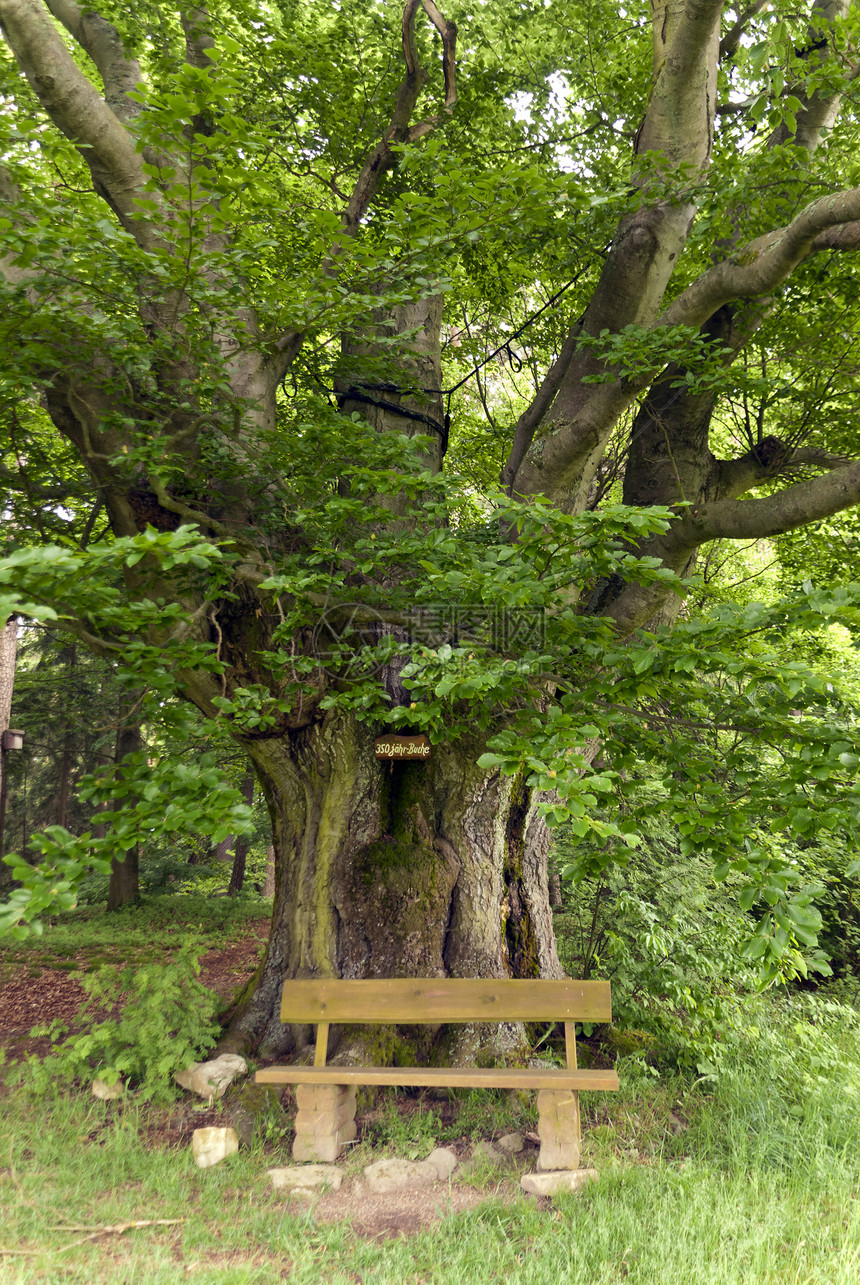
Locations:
(107, 1092)
(393, 1175)
(443, 1161)
(306, 1178)
(212, 1079)
(511, 1143)
(211, 1146)
(547, 1184)
(485, 1151)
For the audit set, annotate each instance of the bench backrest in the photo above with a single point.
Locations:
(444, 999)
(441, 999)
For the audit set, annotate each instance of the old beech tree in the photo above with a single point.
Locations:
(245, 253)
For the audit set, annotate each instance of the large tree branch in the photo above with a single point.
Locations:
(555, 461)
(76, 108)
(670, 459)
(197, 27)
(120, 75)
(756, 519)
(818, 111)
(10, 272)
(533, 414)
(560, 459)
(797, 506)
(674, 142)
(766, 262)
(845, 236)
(769, 459)
(732, 38)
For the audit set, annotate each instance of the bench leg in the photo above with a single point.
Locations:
(325, 1121)
(558, 1128)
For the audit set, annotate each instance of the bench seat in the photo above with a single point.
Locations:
(456, 1077)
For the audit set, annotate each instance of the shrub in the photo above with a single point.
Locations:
(167, 1021)
(669, 939)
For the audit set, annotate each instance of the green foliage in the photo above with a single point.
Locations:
(668, 939)
(167, 1021)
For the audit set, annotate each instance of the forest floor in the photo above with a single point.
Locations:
(752, 1179)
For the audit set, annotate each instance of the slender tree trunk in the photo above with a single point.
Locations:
(240, 851)
(428, 869)
(222, 851)
(124, 885)
(64, 783)
(65, 780)
(269, 879)
(8, 657)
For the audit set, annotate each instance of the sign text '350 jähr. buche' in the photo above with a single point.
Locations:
(402, 747)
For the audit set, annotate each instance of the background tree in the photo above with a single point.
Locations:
(235, 242)
(8, 658)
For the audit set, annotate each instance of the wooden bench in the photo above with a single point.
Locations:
(325, 1095)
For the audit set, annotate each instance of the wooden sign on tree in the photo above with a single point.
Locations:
(402, 747)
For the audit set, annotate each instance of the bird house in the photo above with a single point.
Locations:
(12, 739)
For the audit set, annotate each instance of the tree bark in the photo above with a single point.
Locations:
(124, 885)
(432, 869)
(64, 780)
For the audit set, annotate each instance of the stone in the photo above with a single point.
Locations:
(324, 1097)
(485, 1151)
(393, 1175)
(322, 1148)
(107, 1092)
(306, 1178)
(212, 1079)
(558, 1127)
(547, 1184)
(442, 1161)
(211, 1146)
(325, 1121)
(305, 1195)
(512, 1143)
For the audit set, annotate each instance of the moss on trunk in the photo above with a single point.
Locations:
(416, 869)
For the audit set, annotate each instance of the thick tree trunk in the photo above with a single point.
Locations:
(269, 879)
(428, 869)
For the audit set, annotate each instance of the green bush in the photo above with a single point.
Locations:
(669, 939)
(167, 1021)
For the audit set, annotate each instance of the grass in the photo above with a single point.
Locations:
(87, 937)
(753, 1178)
(761, 1187)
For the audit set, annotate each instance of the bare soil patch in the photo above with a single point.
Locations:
(400, 1213)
